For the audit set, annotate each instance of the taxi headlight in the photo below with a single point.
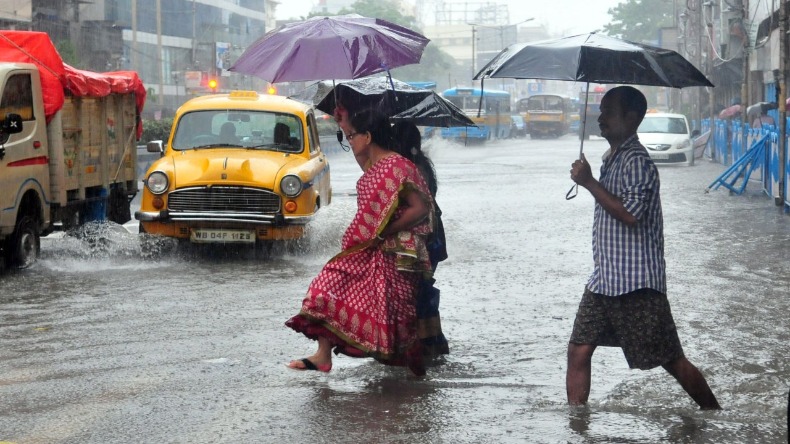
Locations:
(685, 144)
(291, 185)
(157, 182)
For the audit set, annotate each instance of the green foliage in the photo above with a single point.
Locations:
(151, 95)
(639, 20)
(383, 9)
(156, 130)
(68, 52)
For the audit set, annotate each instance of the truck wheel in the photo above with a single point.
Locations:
(24, 245)
(119, 212)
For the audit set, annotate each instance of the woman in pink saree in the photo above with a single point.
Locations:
(362, 303)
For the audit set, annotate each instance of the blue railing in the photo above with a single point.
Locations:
(731, 141)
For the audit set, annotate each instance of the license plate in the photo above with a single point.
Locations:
(659, 156)
(205, 235)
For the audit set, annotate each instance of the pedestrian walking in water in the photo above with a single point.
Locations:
(407, 141)
(624, 302)
(362, 303)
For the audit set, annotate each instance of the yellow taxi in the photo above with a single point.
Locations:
(241, 167)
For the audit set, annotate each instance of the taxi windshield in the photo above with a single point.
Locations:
(239, 129)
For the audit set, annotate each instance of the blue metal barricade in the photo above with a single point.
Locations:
(732, 145)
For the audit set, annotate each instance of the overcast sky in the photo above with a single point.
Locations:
(561, 17)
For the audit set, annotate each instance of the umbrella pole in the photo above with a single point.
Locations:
(584, 119)
(339, 130)
(575, 188)
(392, 84)
(480, 103)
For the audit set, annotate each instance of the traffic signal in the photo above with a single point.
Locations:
(272, 90)
(212, 83)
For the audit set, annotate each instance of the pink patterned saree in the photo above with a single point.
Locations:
(363, 300)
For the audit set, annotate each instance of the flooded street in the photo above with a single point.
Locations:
(102, 344)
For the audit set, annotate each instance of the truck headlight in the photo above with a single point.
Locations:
(157, 182)
(291, 185)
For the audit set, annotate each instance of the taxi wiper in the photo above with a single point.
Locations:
(217, 145)
(279, 147)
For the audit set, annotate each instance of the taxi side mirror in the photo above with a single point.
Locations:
(155, 146)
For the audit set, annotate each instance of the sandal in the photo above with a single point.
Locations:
(309, 365)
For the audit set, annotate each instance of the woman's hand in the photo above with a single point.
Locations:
(415, 210)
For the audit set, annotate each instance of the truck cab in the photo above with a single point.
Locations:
(67, 144)
(24, 169)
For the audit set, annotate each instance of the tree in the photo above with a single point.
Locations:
(640, 20)
(68, 52)
(434, 64)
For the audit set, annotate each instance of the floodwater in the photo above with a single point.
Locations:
(102, 344)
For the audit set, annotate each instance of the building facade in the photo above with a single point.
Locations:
(175, 46)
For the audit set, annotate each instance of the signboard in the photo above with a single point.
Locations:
(192, 79)
(534, 88)
(223, 58)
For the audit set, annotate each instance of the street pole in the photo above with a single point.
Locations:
(474, 54)
(501, 29)
(698, 28)
(782, 89)
(159, 65)
(709, 64)
(502, 43)
(745, 100)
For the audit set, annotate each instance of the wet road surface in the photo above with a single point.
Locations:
(101, 344)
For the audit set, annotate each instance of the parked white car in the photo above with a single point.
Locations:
(667, 138)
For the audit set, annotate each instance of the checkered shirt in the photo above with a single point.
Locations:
(628, 258)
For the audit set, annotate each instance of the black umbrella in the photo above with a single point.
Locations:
(434, 110)
(396, 99)
(594, 58)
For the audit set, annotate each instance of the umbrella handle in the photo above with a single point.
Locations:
(574, 189)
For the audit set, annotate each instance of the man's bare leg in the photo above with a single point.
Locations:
(692, 381)
(577, 377)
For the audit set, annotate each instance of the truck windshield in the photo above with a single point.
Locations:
(240, 129)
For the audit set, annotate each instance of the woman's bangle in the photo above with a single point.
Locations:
(379, 237)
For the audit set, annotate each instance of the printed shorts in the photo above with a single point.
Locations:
(639, 322)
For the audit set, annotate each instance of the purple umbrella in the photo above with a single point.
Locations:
(338, 47)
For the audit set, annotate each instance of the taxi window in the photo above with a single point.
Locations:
(239, 128)
(312, 133)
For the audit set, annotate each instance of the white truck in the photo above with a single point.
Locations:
(67, 144)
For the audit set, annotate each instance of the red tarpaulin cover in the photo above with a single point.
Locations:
(58, 77)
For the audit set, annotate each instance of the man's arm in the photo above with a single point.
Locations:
(581, 173)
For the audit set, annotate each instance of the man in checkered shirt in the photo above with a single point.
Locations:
(624, 303)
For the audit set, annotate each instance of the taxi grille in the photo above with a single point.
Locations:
(224, 200)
